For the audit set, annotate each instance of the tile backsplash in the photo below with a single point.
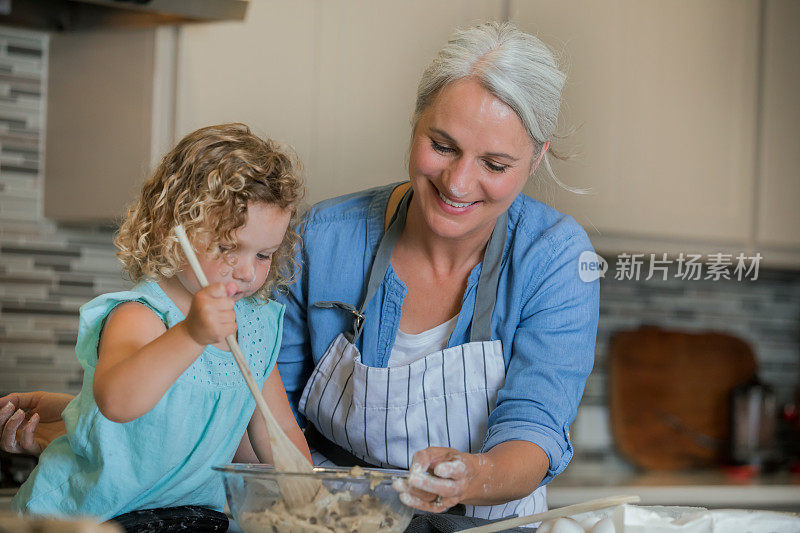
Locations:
(48, 271)
(764, 312)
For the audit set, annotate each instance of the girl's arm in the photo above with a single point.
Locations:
(275, 396)
(139, 359)
(245, 453)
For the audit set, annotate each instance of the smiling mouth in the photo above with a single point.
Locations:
(458, 205)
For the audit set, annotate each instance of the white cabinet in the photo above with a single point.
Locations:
(688, 143)
(664, 94)
(108, 119)
(98, 122)
(372, 55)
(337, 80)
(778, 214)
(261, 72)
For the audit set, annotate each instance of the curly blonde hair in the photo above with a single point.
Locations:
(205, 183)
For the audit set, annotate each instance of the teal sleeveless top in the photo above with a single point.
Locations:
(103, 469)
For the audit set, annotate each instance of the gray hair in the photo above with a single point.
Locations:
(514, 66)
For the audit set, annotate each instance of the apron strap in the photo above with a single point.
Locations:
(485, 298)
(382, 258)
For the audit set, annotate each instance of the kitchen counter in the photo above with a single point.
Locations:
(711, 489)
(779, 492)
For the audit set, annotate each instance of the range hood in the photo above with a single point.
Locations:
(66, 15)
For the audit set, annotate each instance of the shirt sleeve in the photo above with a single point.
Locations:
(551, 357)
(295, 362)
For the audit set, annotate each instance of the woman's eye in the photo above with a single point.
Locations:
(264, 257)
(494, 167)
(223, 248)
(442, 149)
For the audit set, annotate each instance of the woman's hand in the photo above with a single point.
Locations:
(29, 421)
(439, 478)
(443, 477)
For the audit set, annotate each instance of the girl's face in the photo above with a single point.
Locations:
(259, 238)
(470, 157)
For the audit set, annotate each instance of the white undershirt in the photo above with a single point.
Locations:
(409, 348)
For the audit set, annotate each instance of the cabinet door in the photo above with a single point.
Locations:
(371, 57)
(337, 80)
(778, 219)
(260, 72)
(99, 123)
(664, 94)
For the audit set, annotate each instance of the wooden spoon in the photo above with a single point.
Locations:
(561, 512)
(287, 458)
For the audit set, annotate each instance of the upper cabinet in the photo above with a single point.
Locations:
(261, 72)
(663, 96)
(778, 214)
(685, 112)
(337, 80)
(109, 109)
(372, 55)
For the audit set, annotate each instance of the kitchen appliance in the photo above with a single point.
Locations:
(754, 413)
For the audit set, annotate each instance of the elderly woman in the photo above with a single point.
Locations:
(441, 324)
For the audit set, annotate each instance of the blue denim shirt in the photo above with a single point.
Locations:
(545, 316)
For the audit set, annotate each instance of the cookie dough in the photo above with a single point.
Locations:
(326, 513)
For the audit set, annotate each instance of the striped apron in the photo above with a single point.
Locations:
(383, 415)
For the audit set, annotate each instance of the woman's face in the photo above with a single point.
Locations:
(470, 157)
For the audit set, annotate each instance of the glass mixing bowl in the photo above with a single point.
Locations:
(358, 500)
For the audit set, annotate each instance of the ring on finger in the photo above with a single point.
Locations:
(438, 501)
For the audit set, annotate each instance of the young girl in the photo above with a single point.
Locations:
(162, 398)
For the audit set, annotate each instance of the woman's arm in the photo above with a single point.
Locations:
(527, 441)
(275, 396)
(29, 421)
(294, 358)
(139, 359)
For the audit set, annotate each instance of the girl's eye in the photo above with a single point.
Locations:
(263, 257)
(494, 167)
(442, 149)
(223, 248)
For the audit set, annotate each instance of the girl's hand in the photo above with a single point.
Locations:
(211, 317)
(29, 421)
(439, 479)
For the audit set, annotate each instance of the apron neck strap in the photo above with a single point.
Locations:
(486, 296)
(382, 259)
